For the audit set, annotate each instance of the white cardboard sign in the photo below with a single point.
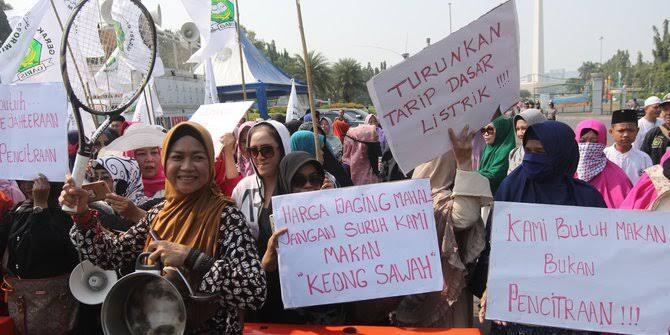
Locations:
(459, 80)
(357, 243)
(582, 268)
(221, 118)
(33, 131)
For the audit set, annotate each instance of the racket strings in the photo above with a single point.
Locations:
(108, 57)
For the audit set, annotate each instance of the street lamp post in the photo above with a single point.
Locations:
(601, 49)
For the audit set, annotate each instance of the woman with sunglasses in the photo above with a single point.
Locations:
(298, 172)
(268, 142)
(199, 229)
(500, 141)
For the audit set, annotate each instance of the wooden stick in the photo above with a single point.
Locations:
(310, 94)
(239, 45)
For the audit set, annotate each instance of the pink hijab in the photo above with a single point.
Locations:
(355, 154)
(612, 182)
(154, 184)
(244, 165)
(643, 195)
(12, 190)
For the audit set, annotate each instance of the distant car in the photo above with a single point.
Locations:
(354, 117)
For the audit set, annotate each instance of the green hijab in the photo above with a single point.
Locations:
(494, 161)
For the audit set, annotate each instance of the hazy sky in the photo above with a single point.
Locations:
(360, 28)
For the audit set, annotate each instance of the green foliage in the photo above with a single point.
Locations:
(524, 94)
(342, 81)
(645, 78)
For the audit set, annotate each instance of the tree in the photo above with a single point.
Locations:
(348, 76)
(586, 69)
(524, 94)
(661, 50)
(321, 73)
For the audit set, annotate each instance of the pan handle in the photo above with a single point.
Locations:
(141, 266)
(191, 292)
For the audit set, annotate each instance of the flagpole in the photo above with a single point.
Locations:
(308, 74)
(239, 46)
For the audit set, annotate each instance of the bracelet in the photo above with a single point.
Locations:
(192, 256)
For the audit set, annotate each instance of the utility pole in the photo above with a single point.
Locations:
(601, 49)
(450, 18)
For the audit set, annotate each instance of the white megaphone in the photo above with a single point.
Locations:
(189, 31)
(90, 284)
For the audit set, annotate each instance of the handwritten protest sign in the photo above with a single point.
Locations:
(580, 268)
(357, 243)
(459, 80)
(219, 119)
(33, 131)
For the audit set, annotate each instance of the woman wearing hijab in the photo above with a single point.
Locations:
(333, 141)
(244, 165)
(153, 173)
(546, 176)
(303, 140)
(594, 167)
(652, 190)
(298, 172)
(458, 193)
(200, 230)
(494, 161)
(268, 142)
(522, 121)
(361, 153)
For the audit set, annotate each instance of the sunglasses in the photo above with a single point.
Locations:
(266, 151)
(313, 179)
(488, 130)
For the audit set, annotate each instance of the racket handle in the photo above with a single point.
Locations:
(78, 175)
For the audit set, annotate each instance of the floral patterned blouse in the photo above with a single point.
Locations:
(235, 273)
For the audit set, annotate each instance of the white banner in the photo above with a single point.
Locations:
(144, 105)
(459, 80)
(351, 244)
(215, 20)
(211, 93)
(583, 268)
(293, 108)
(14, 49)
(221, 118)
(132, 48)
(33, 131)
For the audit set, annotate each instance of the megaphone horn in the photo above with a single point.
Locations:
(106, 11)
(189, 31)
(90, 284)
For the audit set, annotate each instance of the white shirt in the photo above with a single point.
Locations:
(633, 162)
(645, 126)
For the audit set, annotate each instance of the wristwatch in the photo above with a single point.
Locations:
(38, 209)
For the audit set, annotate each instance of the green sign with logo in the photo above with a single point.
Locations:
(223, 11)
(33, 57)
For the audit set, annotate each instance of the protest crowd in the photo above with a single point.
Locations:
(213, 210)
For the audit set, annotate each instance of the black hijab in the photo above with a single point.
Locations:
(289, 166)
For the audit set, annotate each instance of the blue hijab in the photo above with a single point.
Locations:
(547, 178)
(303, 140)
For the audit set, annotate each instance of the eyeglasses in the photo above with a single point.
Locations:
(488, 130)
(266, 151)
(313, 179)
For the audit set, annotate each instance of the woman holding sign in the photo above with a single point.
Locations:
(201, 230)
(544, 177)
(458, 193)
(298, 172)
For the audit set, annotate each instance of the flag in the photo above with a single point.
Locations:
(132, 48)
(215, 20)
(293, 109)
(211, 93)
(13, 50)
(41, 62)
(142, 114)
